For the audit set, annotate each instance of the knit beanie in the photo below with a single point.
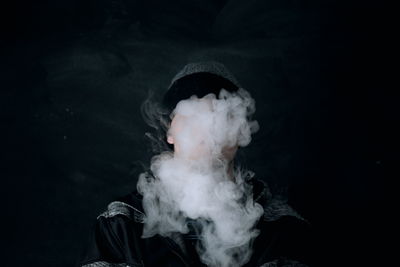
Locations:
(200, 79)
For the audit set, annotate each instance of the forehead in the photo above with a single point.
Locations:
(194, 106)
(192, 110)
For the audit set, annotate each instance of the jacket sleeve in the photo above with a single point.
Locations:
(115, 239)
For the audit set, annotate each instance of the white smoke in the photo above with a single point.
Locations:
(197, 180)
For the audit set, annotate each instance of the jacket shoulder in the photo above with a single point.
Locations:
(128, 206)
(115, 238)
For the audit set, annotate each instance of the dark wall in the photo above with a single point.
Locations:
(74, 73)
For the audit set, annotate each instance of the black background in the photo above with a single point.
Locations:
(74, 73)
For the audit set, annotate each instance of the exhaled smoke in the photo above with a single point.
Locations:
(197, 180)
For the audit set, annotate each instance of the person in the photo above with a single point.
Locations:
(134, 230)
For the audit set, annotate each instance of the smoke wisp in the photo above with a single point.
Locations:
(197, 180)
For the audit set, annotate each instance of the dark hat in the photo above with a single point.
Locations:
(200, 79)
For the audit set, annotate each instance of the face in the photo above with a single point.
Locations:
(192, 139)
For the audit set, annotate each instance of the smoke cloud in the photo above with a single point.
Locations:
(198, 181)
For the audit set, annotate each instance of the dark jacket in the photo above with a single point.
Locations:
(116, 239)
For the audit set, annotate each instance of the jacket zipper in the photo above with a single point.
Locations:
(172, 246)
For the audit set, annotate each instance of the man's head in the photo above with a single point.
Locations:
(195, 130)
(197, 79)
